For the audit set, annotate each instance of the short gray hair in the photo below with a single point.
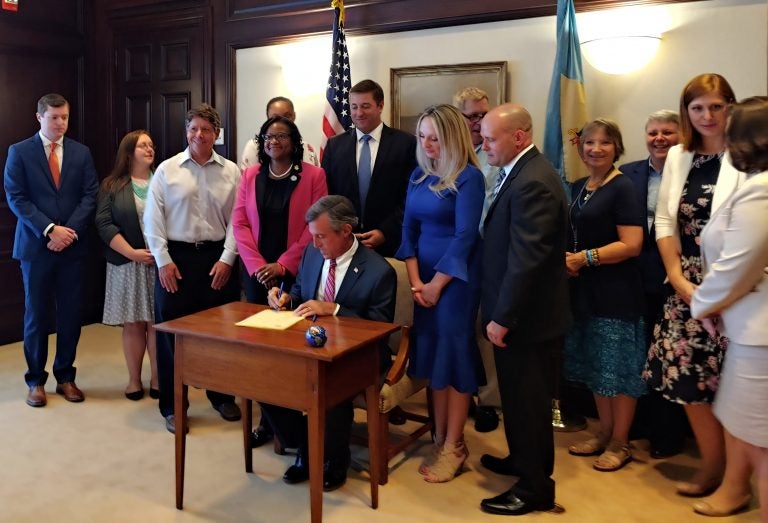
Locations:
(339, 209)
(468, 93)
(665, 115)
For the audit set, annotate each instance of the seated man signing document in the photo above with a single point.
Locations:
(337, 276)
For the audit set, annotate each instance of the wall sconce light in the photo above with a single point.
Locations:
(620, 54)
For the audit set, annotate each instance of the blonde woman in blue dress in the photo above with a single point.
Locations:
(440, 248)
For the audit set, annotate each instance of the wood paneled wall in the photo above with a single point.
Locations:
(141, 63)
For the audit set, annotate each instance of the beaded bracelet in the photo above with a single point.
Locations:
(588, 256)
(595, 258)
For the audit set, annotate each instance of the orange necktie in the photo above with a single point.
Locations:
(53, 163)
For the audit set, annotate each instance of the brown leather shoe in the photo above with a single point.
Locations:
(36, 396)
(70, 392)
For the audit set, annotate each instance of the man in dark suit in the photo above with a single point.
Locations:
(337, 276)
(524, 302)
(371, 165)
(51, 186)
(662, 422)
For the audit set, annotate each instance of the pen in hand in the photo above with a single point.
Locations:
(279, 295)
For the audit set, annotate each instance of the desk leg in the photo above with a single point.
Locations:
(245, 407)
(316, 437)
(374, 443)
(180, 397)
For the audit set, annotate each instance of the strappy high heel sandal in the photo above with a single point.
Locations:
(431, 458)
(449, 463)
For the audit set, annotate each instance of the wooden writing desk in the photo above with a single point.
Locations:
(278, 367)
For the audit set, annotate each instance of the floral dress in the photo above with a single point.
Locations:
(683, 360)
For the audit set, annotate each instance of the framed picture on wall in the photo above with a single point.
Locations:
(415, 88)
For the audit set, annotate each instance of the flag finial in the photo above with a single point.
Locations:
(340, 5)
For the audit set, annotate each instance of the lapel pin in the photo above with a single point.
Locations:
(355, 269)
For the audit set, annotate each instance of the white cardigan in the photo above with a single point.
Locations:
(735, 252)
(676, 170)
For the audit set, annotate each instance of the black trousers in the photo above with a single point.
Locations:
(291, 427)
(526, 374)
(663, 422)
(195, 294)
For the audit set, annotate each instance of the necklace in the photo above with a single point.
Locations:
(140, 187)
(701, 159)
(281, 175)
(581, 201)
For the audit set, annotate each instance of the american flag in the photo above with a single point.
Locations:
(336, 118)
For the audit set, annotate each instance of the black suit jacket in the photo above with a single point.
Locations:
(384, 206)
(367, 291)
(651, 266)
(116, 214)
(525, 285)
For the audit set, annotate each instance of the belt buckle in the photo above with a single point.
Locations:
(199, 245)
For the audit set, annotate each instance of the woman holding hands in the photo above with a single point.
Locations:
(684, 360)
(605, 349)
(735, 289)
(129, 299)
(440, 249)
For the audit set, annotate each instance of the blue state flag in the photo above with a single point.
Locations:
(567, 106)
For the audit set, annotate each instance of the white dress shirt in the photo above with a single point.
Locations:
(342, 264)
(373, 144)
(191, 203)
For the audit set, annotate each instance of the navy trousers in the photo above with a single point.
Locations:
(52, 282)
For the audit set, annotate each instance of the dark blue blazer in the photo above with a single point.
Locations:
(651, 266)
(368, 290)
(385, 204)
(34, 199)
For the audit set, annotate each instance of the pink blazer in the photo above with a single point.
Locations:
(245, 217)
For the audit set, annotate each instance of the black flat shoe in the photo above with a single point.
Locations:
(298, 472)
(508, 504)
(501, 466)
(154, 393)
(136, 395)
(260, 436)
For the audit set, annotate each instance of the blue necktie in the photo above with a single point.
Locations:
(364, 172)
(499, 180)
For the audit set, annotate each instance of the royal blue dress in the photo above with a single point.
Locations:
(441, 231)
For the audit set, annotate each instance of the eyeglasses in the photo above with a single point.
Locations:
(280, 137)
(474, 117)
(146, 146)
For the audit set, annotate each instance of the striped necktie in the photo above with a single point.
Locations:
(499, 181)
(329, 291)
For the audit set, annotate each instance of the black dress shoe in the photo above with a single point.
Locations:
(662, 452)
(503, 466)
(298, 472)
(508, 504)
(228, 411)
(334, 476)
(154, 393)
(260, 436)
(486, 419)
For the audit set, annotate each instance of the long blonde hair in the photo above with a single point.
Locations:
(456, 149)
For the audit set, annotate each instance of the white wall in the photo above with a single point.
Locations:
(724, 36)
